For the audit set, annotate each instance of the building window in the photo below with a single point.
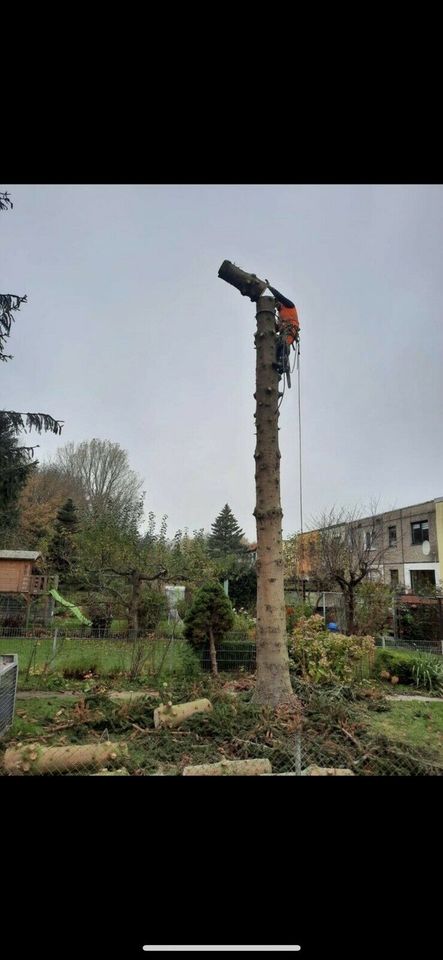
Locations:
(394, 578)
(369, 539)
(422, 580)
(392, 532)
(420, 531)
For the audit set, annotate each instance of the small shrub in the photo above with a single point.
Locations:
(79, 671)
(427, 671)
(372, 608)
(209, 619)
(233, 654)
(166, 628)
(394, 662)
(188, 662)
(243, 628)
(182, 608)
(324, 657)
(423, 670)
(13, 623)
(152, 609)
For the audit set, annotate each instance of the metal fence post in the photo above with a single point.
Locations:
(54, 643)
(298, 754)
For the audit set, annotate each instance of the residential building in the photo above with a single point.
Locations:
(408, 547)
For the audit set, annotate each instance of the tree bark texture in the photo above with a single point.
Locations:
(133, 604)
(33, 758)
(273, 685)
(213, 653)
(247, 283)
(230, 768)
(168, 716)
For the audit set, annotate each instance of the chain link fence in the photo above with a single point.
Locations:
(86, 706)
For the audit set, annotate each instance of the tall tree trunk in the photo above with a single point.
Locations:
(273, 685)
(213, 653)
(133, 605)
(349, 599)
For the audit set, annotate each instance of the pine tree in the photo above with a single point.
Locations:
(15, 469)
(67, 516)
(226, 537)
(62, 550)
(209, 618)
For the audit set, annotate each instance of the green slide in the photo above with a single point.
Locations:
(74, 610)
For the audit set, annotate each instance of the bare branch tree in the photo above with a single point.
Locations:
(101, 468)
(348, 547)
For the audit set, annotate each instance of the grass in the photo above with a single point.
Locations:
(76, 657)
(32, 716)
(418, 724)
(368, 735)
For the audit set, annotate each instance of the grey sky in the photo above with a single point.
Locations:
(129, 335)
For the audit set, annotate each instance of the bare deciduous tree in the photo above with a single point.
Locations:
(348, 547)
(101, 468)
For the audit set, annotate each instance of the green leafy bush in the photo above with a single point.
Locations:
(243, 627)
(296, 610)
(152, 608)
(372, 608)
(423, 670)
(397, 663)
(324, 657)
(166, 628)
(232, 654)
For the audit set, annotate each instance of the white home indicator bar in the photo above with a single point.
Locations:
(243, 948)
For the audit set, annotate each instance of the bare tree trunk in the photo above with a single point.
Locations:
(213, 653)
(133, 605)
(273, 685)
(349, 609)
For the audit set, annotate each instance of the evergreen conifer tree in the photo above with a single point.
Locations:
(226, 537)
(62, 550)
(209, 618)
(14, 469)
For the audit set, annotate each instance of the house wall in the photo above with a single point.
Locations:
(439, 531)
(404, 556)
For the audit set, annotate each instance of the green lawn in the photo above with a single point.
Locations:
(32, 716)
(418, 724)
(78, 656)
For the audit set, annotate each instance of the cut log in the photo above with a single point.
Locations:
(247, 283)
(315, 771)
(36, 759)
(112, 773)
(172, 716)
(117, 695)
(230, 768)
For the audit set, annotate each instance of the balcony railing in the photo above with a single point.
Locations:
(31, 584)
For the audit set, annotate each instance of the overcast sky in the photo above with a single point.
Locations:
(129, 335)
